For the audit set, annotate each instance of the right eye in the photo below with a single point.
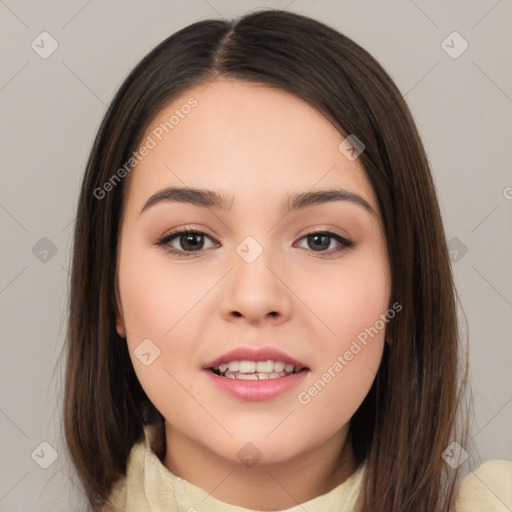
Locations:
(190, 240)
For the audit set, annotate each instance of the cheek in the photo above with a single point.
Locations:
(348, 299)
(346, 366)
(159, 302)
(352, 303)
(332, 397)
(156, 296)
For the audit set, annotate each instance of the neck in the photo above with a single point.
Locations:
(269, 487)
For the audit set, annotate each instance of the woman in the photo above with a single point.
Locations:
(262, 308)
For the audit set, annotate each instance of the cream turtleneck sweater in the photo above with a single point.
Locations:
(150, 487)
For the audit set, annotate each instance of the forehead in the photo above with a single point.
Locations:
(255, 140)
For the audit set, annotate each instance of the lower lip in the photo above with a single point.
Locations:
(257, 390)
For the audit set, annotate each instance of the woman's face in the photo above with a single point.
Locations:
(259, 272)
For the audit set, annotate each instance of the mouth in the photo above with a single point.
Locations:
(257, 385)
(251, 363)
(256, 370)
(255, 374)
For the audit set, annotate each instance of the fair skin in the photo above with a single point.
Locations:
(257, 145)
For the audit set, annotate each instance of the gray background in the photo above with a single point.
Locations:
(51, 109)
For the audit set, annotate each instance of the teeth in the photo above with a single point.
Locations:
(247, 367)
(255, 370)
(265, 366)
(255, 376)
(261, 367)
(233, 366)
(279, 366)
(246, 376)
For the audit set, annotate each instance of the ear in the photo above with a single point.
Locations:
(120, 328)
(120, 325)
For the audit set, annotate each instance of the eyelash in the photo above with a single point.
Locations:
(166, 239)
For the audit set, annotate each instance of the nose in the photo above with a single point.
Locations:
(256, 293)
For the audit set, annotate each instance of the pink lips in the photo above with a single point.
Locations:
(254, 354)
(256, 390)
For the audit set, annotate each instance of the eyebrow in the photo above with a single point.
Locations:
(210, 199)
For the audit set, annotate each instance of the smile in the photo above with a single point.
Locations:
(255, 370)
(256, 385)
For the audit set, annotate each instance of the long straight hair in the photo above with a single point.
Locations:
(409, 416)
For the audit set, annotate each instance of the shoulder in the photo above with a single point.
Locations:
(123, 489)
(129, 493)
(487, 489)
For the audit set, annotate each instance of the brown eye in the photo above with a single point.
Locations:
(319, 242)
(191, 241)
(187, 240)
(326, 241)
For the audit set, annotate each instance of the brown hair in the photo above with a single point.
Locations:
(408, 418)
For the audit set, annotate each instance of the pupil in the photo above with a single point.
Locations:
(187, 241)
(317, 244)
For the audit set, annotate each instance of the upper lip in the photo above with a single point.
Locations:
(254, 354)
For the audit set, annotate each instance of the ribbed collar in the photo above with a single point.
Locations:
(150, 487)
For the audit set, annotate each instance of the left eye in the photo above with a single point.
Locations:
(321, 241)
(190, 241)
(193, 241)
